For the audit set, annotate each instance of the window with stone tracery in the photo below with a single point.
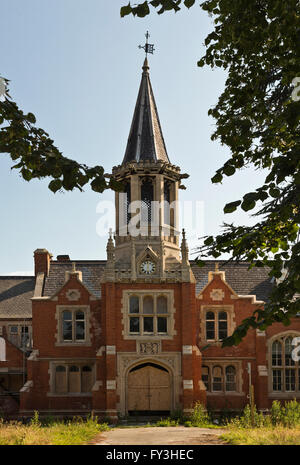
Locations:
(220, 377)
(73, 378)
(148, 314)
(285, 371)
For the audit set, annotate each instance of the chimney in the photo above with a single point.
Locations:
(42, 261)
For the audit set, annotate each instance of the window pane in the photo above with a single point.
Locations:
(222, 316)
(148, 304)
(80, 330)
(79, 316)
(210, 330)
(290, 379)
(67, 316)
(134, 306)
(60, 379)
(67, 330)
(74, 369)
(134, 324)
(148, 324)
(276, 354)
(217, 379)
(230, 378)
(86, 379)
(288, 352)
(277, 380)
(205, 376)
(60, 368)
(162, 325)
(222, 329)
(74, 379)
(162, 304)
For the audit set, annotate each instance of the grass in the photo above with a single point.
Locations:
(198, 418)
(263, 436)
(73, 432)
(280, 427)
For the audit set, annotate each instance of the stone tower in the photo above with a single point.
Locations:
(147, 237)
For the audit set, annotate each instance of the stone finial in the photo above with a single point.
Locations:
(73, 267)
(217, 267)
(110, 248)
(184, 247)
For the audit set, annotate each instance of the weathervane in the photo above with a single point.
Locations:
(149, 48)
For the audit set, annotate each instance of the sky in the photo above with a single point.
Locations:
(76, 65)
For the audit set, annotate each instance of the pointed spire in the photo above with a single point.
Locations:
(145, 141)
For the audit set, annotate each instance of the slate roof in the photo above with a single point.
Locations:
(243, 281)
(145, 141)
(91, 276)
(15, 295)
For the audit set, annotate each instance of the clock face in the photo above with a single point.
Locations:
(147, 267)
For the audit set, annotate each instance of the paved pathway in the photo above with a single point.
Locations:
(179, 435)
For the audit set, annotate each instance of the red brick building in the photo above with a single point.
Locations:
(142, 330)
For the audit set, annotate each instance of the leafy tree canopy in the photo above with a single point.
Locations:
(37, 157)
(258, 117)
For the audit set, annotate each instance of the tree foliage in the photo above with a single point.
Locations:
(37, 157)
(258, 117)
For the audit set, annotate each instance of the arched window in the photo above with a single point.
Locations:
(67, 326)
(79, 326)
(217, 383)
(74, 379)
(86, 379)
(2, 350)
(222, 325)
(210, 325)
(285, 370)
(61, 379)
(127, 202)
(134, 305)
(205, 377)
(162, 304)
(230, 373)
(148, 304)
(167, 219)
(146, 201)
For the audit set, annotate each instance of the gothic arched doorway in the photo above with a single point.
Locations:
(149, 390)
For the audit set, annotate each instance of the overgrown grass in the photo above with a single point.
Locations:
(199, 418)
(280, 427)
(52, 432)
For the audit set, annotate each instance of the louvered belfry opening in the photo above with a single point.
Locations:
(147, 198)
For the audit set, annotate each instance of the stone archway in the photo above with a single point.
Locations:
(148, 389)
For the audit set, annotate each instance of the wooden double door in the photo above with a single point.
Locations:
(149, 389)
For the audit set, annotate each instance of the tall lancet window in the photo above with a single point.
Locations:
(127, 202)
(146, 201)
(124, 199)
(167, 197)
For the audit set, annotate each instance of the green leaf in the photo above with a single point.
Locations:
(125, 10)
(55, 185)
(217, 178)
(189, 3)
(31, 118)
(231, 207)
